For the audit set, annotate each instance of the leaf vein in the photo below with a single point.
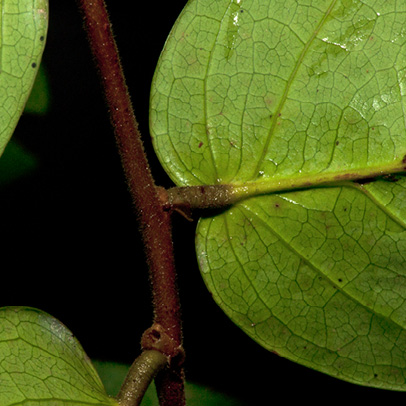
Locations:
(287, 88)
(312, 266)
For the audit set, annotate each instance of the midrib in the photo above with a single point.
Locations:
(241, 191)
(292, 76)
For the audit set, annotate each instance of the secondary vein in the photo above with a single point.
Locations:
(314, 267)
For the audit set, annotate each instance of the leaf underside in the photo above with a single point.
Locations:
(261, 90)
(42, 363)
(23, 28)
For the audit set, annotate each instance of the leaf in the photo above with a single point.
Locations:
(24, 25)
(113, 375)
(42, 363)
(317, 277)
(265, 96)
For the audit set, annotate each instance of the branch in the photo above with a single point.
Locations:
(155, 223)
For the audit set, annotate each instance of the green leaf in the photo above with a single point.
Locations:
(268, 96)
(316, 276)
(42, 363)
(23, 26)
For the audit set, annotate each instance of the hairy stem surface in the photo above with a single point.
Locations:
(155, 223)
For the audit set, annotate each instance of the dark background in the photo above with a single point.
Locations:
(69, 239)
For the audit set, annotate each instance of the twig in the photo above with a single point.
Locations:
(155, 223)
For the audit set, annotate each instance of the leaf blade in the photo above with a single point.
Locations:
(301, 283)
(307, 91)
(24, 26)
(43, 362)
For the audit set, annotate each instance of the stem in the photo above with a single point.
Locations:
(155, 223)
(139, 377)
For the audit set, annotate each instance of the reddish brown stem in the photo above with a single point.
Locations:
(154, 222)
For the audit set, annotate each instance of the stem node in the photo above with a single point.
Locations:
(155, 338)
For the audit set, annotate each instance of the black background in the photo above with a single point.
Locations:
(69, 239)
